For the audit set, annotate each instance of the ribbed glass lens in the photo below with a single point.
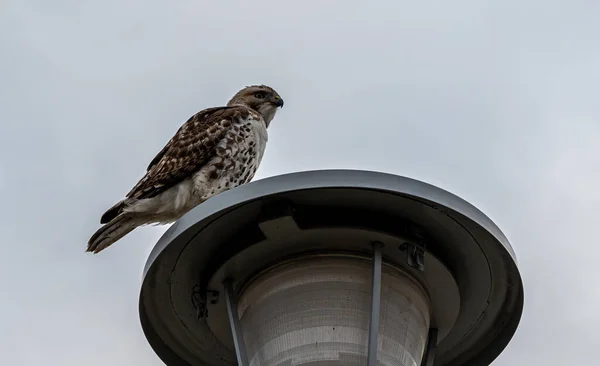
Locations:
(315, 311)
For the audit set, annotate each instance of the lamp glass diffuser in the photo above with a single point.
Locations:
(315, 311)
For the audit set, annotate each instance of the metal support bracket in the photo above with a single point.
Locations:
(430, 347)
(234, 323)
(201, 298)
(375, 305)
(415, 255)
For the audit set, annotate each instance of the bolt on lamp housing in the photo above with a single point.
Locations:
(329, 268)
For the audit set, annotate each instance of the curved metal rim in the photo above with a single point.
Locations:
(328, 179)
(344, 179)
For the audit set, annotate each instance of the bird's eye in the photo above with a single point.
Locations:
(260, 95)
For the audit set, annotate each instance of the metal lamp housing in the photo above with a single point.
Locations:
(333, 267)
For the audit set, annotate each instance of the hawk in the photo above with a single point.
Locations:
(215, 150)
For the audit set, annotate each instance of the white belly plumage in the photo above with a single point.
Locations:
(237, 158)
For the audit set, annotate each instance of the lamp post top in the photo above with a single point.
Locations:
(469, 266)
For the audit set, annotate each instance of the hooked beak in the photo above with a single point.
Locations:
(278, 102)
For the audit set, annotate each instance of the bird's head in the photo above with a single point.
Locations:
(261, 98)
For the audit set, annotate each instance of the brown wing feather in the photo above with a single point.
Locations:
(202, 115)
(191, 147)
(188, 150)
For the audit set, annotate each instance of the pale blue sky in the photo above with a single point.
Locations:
(496, 101)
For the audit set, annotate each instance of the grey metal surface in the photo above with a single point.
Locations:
(429, 356)
(200, 249)
(234, 323)
(375, 305)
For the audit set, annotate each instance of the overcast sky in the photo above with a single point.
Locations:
(495, 101)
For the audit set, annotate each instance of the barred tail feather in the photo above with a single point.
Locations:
(112, 212)
(111, 232)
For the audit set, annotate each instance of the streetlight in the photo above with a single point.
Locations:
(325, 268)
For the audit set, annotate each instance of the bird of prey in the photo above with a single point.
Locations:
(215, 150)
